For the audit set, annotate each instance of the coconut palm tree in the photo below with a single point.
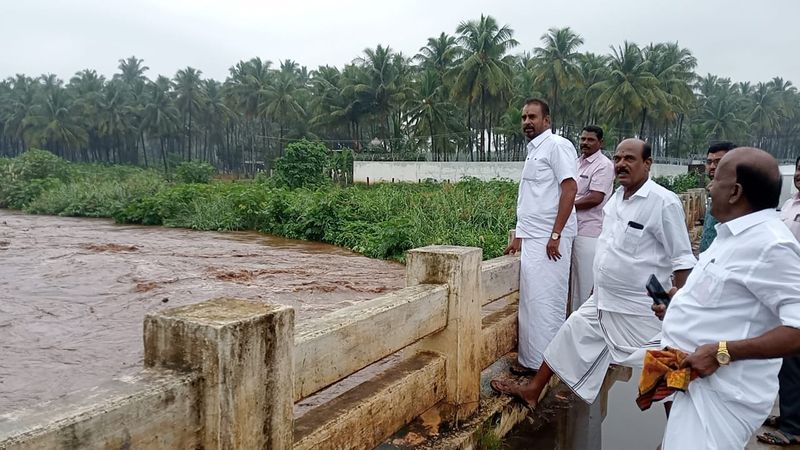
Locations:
(190, 98)
(630, 88)
(52, 124)
(281, 102)
(160, 117)
(485, 70)
(557, 63)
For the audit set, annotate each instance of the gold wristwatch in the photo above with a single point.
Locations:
(723, 357)
(555, 236)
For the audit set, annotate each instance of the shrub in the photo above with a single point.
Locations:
(194, 172)
(680, 183)
(303, 165)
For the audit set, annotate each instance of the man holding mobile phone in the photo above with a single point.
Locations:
(644, 232)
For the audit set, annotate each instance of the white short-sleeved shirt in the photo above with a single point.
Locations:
(642, 236)
(790, 214)
(746, 284)
(550, 160)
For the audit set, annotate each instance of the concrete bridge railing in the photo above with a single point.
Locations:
(226, 373)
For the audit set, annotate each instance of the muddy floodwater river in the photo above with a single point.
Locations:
(74, 292)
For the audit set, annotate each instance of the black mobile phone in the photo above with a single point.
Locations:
(656, 291)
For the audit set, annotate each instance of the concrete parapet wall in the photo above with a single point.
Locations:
(694, 206)
(415, 171)
(345, 341)
(152, 410)
(225, 373)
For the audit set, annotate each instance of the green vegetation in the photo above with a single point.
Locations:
(381, 221)
(458, 97)
(681, 183)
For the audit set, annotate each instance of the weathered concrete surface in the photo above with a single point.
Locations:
(343, 342)
(497, 416)
(364, 416)
(151, 410)
(460, 341)
(499, 332)
(414, 171)
(499, 278)
(244, 351)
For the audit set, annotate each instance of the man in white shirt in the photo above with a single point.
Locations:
(739, 311)
(644, 232)
(787, 425)
(546, 226)
(595, 183)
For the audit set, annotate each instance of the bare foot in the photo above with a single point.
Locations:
(516, 390)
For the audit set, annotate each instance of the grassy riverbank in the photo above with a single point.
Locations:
(381, 221)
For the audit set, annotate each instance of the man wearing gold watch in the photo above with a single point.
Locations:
(739, 311)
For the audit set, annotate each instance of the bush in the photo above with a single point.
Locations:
(681, 183)
(25, 177)
(303, 165)
(194, 172)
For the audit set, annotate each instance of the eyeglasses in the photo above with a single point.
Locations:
(714, 161)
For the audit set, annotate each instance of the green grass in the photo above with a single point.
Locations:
(380, 221)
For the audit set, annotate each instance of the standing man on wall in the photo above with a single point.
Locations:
(715, 154)
(738, 313)
(787, 425)
(546, 226)
(595, 182)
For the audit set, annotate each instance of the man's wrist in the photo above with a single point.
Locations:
(555, 235)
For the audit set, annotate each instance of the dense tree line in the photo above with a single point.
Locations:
(459, 97)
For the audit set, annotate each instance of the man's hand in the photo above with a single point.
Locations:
(513, 247)
(703, 360)
(660, 310)
(552, 249)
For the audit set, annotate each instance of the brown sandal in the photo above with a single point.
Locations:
(504, 387)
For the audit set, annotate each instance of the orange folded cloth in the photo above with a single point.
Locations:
(662, 375)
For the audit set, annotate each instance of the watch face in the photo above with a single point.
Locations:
(723, 358)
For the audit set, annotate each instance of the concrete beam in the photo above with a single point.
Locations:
(340, 343)
(364, 416)
(150, 410)
(499, 332)
(460, 341)
(499, 277)
(244, 351)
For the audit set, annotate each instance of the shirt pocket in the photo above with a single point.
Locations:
(536, 169)
(630, 239)
(709, 286)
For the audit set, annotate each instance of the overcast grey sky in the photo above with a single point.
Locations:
(744, 40)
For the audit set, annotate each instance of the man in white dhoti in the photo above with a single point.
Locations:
(644, 232)
(738, 312)
(546, 226)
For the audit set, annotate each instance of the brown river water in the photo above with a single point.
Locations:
(74, 292)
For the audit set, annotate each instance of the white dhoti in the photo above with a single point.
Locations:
(582, 279)
(591, 339)
(704, 418)
(543, 290)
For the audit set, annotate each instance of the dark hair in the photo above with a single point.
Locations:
(647, 151)
(721, 147)
(594, 129)
(796, 162)
(761, 190)
(542, 104)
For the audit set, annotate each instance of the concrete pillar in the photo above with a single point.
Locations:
(460, 341)
(244, 351)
